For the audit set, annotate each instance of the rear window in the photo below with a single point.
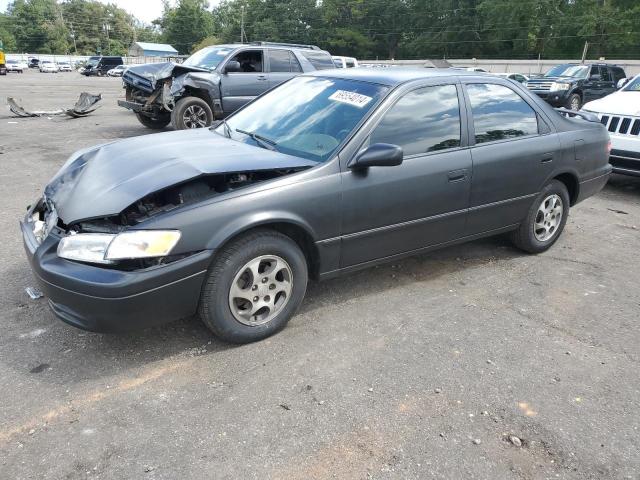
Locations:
(320, 60)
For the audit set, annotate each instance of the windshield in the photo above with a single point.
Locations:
(576, 71)
(633, 85)
(12, 61)
(93, 61)
(207, 57)
(308, 117)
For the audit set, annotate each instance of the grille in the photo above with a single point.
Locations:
(539, 85)
(138, 81)
(621, 125)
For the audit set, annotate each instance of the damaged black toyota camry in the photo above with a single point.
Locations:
(325, 174)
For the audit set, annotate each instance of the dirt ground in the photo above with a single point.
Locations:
(419, 369)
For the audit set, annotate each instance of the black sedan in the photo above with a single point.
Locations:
(327, 173)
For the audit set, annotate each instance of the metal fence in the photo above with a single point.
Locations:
(73, 59)
(527, 67)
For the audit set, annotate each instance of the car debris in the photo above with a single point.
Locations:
(83, 107)
(33, 293)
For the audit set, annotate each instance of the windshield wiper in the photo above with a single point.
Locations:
(264, 142)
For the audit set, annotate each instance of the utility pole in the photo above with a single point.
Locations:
(243, 36)
(73, 35)
(584, 52)
(107, 27)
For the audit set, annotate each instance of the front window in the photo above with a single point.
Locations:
(307, 117)
(251, 61)
(208, 58)
(633, 85)
(575, 71)
(93, 61)
(423, 121)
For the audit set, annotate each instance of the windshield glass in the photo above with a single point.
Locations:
(308, 117)
(93, 61)
(207, 57)
(633, 85)
(576, 71)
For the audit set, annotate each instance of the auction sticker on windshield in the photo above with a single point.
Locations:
(352, 98)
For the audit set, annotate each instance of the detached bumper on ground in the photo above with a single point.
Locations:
(109, 300)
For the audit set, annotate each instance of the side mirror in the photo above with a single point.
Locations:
(378, 155)
(595, 77)
(232, 66)
(621, 83)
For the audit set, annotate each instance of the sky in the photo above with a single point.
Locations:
(145, 10)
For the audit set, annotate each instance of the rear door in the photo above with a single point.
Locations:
(423, 201)
(283, 65)
(238, 88)
(513, 154)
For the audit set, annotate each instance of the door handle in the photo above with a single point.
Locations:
(457, 175)
(262, 77)
(546, 158)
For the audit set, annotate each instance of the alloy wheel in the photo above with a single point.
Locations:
(194, 116)
(260, 290)
(548, 218)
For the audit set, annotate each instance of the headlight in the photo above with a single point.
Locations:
(559, 86)
(105, 248)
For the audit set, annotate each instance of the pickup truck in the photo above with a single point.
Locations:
(214, 82)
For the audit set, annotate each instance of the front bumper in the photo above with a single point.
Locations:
(107, 300)
(133, 106)
(555, 98)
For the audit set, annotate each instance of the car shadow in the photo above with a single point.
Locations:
(75, 356)
(623, 184)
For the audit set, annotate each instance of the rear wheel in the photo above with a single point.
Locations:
(254, 286)
(155, 123)
(545, 220)
(191, 112)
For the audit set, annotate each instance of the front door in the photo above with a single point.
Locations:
(238, 88)
(423, 201)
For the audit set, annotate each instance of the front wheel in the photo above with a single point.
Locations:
(545, 220)
(155, 123)
(254, 286)
(575, 102)
(191, 112)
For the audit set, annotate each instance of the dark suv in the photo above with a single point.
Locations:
(571, 85)
(99, 66)
(214, 81)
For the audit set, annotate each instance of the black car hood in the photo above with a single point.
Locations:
(158, 71)
(103, 181)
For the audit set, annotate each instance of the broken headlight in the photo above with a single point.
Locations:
(106, 248)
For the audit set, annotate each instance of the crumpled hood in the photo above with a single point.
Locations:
(103, 181)
(620, 103)
(158, 71)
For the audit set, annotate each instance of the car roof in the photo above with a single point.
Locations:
(395, 76)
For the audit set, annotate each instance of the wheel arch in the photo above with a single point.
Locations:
(294, 228)
(570, 180)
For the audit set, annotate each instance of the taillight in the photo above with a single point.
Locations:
(609, 147)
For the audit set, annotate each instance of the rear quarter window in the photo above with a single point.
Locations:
(320, 60)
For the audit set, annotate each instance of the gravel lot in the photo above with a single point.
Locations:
(419, 369)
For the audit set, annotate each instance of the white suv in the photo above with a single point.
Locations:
(620, 113)
(16, 65)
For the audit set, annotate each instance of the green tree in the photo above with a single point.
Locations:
(186, 24)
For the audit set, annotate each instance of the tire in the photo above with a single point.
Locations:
(156, 123)
(191, 112)
(574, 102)
(539, 231)
(233, 314)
